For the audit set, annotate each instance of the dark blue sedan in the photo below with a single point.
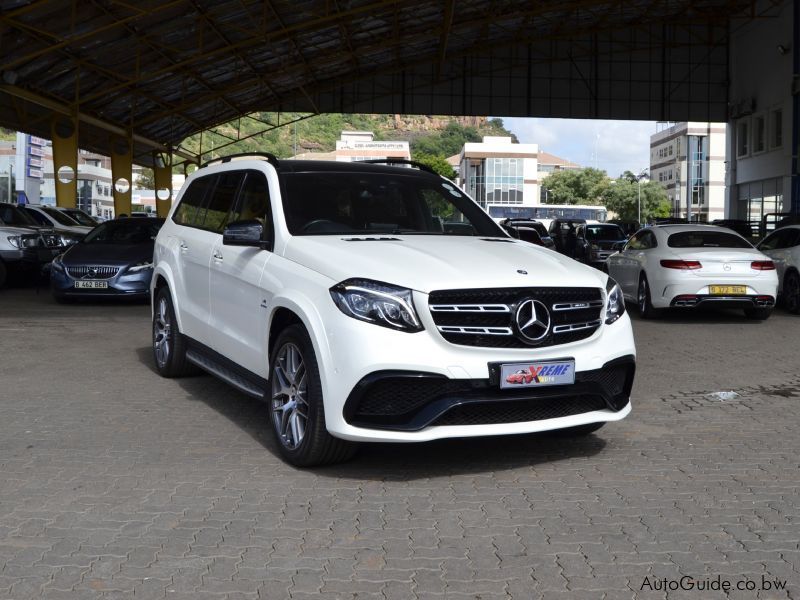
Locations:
(115, 259)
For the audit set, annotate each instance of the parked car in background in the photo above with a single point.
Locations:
(564, 234)
(114, 260)
(48, 216)
(783, 247)
(629, 227)
(740, 226)
(82, 217)
(514, 225)
(692, 265)
(24, 246)
(596, 243)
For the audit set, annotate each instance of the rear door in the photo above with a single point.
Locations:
(239, 301)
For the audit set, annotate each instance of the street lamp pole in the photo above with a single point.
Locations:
(642, 174)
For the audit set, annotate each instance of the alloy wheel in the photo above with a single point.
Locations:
(642, 297)
(161, 332)
(290, 396)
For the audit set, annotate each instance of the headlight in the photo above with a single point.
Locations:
(141, 266)
(378, 303)
(615, 302)
(23, 241)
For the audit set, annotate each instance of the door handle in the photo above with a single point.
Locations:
(184, 247)
(217, 255)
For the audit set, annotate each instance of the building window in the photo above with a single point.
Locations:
(670, 150)
(759, 133)
(776, 129)
(742, 139)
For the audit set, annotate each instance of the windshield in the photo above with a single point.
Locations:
(11, 215)
(325, 203)
(59, 217)
(706, 239)
(604, 232)
(81, 217)
(125, 231)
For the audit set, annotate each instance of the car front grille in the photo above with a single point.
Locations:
(92, 272)
(486, 317)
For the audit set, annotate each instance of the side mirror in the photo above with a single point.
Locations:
(245, 233)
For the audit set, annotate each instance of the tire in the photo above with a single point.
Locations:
(169, 345)
(791, 292)
(579, 430)
(297, 411)
(643, 303)
(3, 274)
(757, 314)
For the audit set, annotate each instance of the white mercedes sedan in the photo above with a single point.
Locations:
(691, 265)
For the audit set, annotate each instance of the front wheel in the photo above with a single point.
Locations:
(296, 404)
(791, 291)
(757, 314)
(169, 346)
(644, 304)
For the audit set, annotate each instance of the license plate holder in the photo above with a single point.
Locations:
(727, 290)
(536, 373)
(91, 285)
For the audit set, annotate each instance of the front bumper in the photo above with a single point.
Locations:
(352, 352)
(128, 285)
(410, 401)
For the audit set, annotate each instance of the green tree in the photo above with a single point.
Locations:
(576, 186)
(622, 198)
(146, 179)
(447, 142)
(437, 162)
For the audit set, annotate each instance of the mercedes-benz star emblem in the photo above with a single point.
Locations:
(533, 320)
(726, 266)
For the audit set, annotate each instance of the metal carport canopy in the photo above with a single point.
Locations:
(161, 71)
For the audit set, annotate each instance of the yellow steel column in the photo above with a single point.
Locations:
(162, 175)
(64, 131)
(122, 175)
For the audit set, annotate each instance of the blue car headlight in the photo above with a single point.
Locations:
(144, 265)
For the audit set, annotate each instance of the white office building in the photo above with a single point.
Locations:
(688, 160)
(500, 175)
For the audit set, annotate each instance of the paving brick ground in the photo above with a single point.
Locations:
(115, 483)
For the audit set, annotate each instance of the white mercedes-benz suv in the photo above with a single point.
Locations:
(375, 302)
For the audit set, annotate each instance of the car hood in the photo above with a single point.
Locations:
(430, 262)
(108, 254)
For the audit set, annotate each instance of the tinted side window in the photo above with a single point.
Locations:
(194, 197)
(215, 215)
(649, 240)
(38, 217)
(772, 241)
(793, 238)
(254, 202)
(635, 243)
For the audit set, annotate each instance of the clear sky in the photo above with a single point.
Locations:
(614, 146)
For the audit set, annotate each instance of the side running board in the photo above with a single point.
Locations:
(226, 373)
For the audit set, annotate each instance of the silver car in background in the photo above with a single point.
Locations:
(691, 265)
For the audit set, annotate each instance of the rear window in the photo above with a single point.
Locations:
(604, 232)
(706, 239)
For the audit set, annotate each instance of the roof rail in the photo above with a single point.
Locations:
(271, 158)
(399, 161)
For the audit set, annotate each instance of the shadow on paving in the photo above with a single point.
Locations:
(395, 462)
